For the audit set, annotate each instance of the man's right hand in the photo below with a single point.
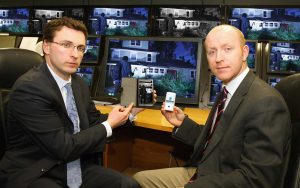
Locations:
(118, 116)
(175, 118)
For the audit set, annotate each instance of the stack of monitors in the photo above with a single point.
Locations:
(173, 65)
(284, 57)
(14, 21)
(185, 21)
(267, 23)
(118, 21)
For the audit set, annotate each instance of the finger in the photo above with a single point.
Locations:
(122, 109)
(116, 108)
(129, 108)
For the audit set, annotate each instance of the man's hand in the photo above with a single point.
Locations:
(175, 118)
(119, 115)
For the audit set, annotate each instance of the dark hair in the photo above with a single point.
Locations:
(125, 58)
(56, 25)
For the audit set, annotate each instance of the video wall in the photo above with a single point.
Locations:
(164, 43)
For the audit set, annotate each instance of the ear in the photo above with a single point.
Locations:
(245, 51)
(46, 47)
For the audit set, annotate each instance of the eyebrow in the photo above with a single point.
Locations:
(73, 42)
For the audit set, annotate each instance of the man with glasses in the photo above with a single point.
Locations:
(55, 133)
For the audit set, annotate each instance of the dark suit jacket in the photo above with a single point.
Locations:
(250, 147)
(40, 138)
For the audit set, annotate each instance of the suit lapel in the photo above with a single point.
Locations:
(59, 101)
(199, 145)
(229, 113)
(54, 87)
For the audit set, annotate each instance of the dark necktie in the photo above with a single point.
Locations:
(220, 110)
(74, 177)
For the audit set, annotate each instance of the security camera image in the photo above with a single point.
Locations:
(171, 64)
(284, 57)
(15, 21)
(118, 21)
(185, 22)
(267, 23)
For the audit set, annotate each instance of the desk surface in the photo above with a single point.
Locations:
(153, 119)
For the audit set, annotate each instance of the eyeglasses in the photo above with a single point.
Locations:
(69, 46)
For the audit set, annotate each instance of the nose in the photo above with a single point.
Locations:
(219, 56)
(75, 52)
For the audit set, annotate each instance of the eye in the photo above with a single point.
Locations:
(227, 49)
(66, 45)
(81, 48)
(211, 52)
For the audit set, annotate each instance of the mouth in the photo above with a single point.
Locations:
(72, 64)
(221, 68)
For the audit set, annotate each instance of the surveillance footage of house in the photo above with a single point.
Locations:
(171, 64)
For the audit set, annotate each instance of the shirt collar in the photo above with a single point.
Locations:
(60, 82)
(235, 83)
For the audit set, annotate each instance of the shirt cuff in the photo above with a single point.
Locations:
(108, 128)
(131, 117)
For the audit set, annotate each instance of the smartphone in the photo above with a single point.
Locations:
(170, 101)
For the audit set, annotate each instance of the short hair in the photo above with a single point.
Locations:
(125, 58)
(57, 24)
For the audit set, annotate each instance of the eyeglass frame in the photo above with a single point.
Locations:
(68, 45)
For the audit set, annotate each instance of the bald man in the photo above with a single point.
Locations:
(248, 145)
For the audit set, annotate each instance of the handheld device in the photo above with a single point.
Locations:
(170, 101)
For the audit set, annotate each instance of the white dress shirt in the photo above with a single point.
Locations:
(61, 84)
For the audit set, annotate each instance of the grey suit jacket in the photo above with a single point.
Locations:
(251, 145)
(40, 138)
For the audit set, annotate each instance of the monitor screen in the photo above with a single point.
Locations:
(274, 80)
(267, 23)
(185, 21)
(42, 16)
(118, 21)
(87, 74)
(76, 13)
(92, 53)
(173, 65)
(251, 60)
(14, 21)
(284, 57)
(215, 89)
